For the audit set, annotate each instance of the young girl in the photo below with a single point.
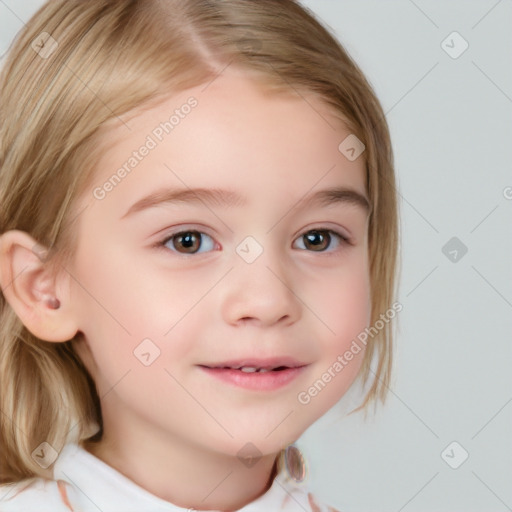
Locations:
(198, 224)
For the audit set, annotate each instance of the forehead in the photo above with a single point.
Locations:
(231, 132)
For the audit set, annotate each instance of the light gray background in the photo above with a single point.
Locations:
(451, 126)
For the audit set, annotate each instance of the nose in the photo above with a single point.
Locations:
(261, 293)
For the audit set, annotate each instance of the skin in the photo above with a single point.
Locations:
(169, 426)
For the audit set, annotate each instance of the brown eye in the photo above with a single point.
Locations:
(187, 242)
(317, 240)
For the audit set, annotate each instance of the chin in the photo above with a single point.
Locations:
(267, 439)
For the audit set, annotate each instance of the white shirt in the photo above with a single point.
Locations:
(84, 483)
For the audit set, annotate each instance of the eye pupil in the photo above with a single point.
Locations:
(319, 239)
(188, 240)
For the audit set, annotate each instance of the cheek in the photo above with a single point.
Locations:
(131, 316)
(343, 304)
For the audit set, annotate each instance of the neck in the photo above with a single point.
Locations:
(189, 476)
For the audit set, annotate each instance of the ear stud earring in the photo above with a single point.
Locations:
(53, 302)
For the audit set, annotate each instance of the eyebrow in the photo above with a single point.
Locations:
(230, 198)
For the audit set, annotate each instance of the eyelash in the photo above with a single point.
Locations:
(343, 241)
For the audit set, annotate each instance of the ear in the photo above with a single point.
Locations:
(38, 296)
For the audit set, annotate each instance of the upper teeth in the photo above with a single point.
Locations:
(251, 369)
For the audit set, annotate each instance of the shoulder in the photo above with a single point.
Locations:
(36, 495)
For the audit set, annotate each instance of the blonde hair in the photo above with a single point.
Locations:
(104, 58)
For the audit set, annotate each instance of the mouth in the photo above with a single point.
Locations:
(256, 374)
(258, 365)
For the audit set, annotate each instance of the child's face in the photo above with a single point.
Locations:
(249, 290)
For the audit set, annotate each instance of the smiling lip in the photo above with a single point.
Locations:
(256, 374)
